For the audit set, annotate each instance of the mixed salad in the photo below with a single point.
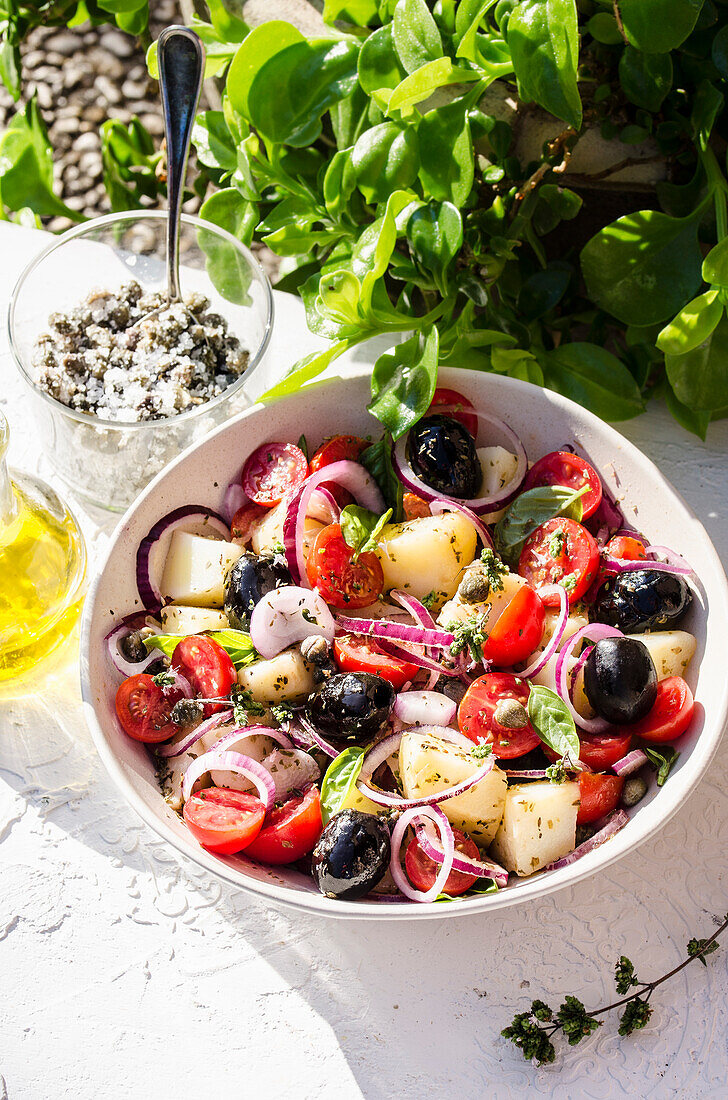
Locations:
(412, 670)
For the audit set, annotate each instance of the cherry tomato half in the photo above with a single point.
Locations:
(452, 397)
(626, 548)
(273, 470)
(143, 708)
(207, 667)
(601, 750)
(563, 552)
(341, 581)
(476, 715)
(364, 655)
(518, 629)
(245, 521)
(671, 712)
(422, 870)
(338, 448)
(290, 830)
(415, 507)
(599, 794)
(222, 820)
(564, 468)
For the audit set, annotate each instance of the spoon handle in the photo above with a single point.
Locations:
(181, 60)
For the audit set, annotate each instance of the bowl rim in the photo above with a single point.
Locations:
(683, 784)
(136, 215)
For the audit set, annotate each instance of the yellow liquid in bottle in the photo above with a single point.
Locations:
(42, 566)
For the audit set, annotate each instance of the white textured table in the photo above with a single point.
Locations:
(125, 973)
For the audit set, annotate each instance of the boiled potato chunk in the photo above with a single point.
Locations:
(547, 678)
(671, 651)
(492, 607)
(268, 534)
(284, 677)
(498, 466)
(192, 620)
(538, 827)
(427, 555)
(196, 569)
(428, 764)
(577, 620)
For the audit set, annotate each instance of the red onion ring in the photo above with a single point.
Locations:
(288, 778)
(398, 632)
(476, 868)
(315, 736)
(181, 683)
(448, 846)
(243, 732)
(378, 754)
(383, 798)
(632, 762)
(593, 632)
(214, 761)
(480, 505)
(170, 751)
(538, 663)
(147, 581)
(323, 507)
(350, 475)
(127, 626)
(234, 499)
(417, 610)
(422, 708)
(278, 619)
(404, 653)
(613, 825)
(444, 505)
(580, 662)
(621, 565)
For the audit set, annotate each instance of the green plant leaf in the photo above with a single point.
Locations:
(707, 104)
(237, 645)
(715, 265)
(603, 27)
(719, 52)
(643, 267)
(594, 378)
(213, 141)
(446, 153)
(228, 209)
(543, 290)
(384, 159)
(435, 235)
(340, 779)
(404, 380)
(699, 378)
(646, 78)
(416, 37)
(26, 166)
(379, 67)
(552, 721)
(663, 761)
(378, 460)
(263, 43)
(658, 26)
(10, 67)
(692, 325)
(358, 12)
(693, 420)
(305, 370)
(424, 81)
(528, 511)
(543, 38)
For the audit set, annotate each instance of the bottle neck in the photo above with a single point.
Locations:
(8, 503)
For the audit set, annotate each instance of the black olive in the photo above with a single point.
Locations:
(642, 599)
(352, 855)
(248, 581)
(442, 454)
(620, 680)
(351, 706)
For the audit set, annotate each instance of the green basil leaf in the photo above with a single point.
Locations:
(643, 267)
(658, 26)
(378, 461)
(416, 37)
(692, 325)
(699, 378)
(361, 528)
(380, 70)
(543, 38)
(663, 760)
(404, 380)
(10, 68)
(552, 721)
(340, 779)
(166, 642)
(446, 153)
(646, 78)
(715, 264)
(483, 886)
(594, 378)
(385, 158)
(237, 645)
(528, 511)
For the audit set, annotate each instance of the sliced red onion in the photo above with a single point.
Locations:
(613, 825)
(215, 761)
(378, 754)
(417, 610)
(444, 505)
(622, 565)
(477, 868)
(421, 708)
(153, 548)
(435, 815)
(181, 683)
(479, 505)
(319, 741)
(383, 798)
(632, 762)
(397, 632)
(594, 632)
(291, 770)
(418, 657)
(323, 507)
(349, 475)
(241, 733)
(539, 662)
(529, 773)
(287, 615)
(234, 499)
(181, 747)
(127, 626)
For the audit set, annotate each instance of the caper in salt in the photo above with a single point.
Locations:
(634, 791)
(511, 714)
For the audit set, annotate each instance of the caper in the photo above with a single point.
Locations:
(315, 649)
(132, 645)
(187, 711)
(511, 714)
(634, 791)
(474, 587)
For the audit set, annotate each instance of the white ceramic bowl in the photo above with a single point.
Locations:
(545, 422)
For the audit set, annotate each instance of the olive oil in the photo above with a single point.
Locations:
(42, 568)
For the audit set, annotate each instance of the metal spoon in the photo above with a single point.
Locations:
(181, 61)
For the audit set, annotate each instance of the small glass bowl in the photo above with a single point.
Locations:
(108, 462)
